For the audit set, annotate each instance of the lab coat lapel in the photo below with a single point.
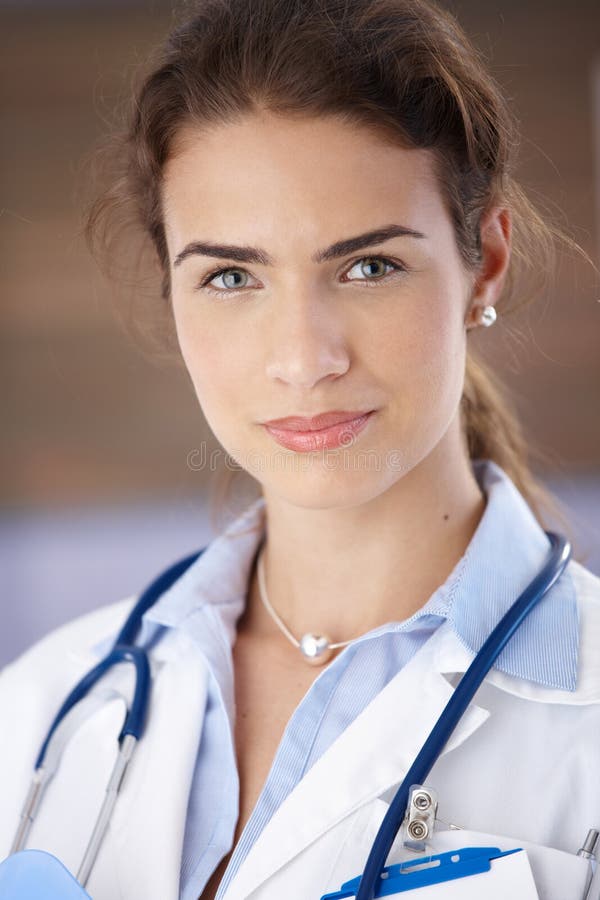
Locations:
(370, 756)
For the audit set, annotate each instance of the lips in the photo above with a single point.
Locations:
(303, 440)
(315, 423)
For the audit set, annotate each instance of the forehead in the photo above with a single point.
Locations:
(323, 175)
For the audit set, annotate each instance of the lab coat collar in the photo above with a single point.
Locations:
(354, 771)
(506, 551)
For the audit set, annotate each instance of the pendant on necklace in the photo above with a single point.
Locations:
(316, 649)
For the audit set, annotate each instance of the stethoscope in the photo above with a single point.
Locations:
(124, 650)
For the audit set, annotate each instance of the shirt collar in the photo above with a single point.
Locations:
(506, 551)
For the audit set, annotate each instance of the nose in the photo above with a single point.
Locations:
(306, 342)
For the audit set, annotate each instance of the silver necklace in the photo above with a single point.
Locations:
(316, 649)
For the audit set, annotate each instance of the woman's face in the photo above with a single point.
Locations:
(380, 326)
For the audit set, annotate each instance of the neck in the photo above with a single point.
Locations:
(344, 571)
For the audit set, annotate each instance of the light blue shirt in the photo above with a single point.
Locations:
(506, 551)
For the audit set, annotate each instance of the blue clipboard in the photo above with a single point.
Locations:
(35, 873)
(427, 870)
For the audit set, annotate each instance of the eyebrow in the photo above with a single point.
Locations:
(247, 254)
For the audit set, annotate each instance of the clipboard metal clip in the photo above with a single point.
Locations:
(427, 870)
(419, 822)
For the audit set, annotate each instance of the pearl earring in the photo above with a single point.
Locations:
(486, 315)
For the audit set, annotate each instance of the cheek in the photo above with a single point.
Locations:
(426, 339)
(439, 354)
(197, 350)
(422, 353)
(213, 369)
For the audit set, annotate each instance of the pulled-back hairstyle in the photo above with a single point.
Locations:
(403, 68)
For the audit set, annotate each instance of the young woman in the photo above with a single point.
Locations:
(328, 192)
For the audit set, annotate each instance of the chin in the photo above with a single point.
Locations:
(329, 488)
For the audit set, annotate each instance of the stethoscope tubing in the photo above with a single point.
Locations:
(464, 692)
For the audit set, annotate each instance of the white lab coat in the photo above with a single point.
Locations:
(522, 768)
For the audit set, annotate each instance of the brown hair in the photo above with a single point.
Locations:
(404, 68)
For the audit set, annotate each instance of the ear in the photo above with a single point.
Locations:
(496, 230)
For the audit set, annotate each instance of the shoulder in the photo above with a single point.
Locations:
(587, 587)
(77, 634)
(587, 591)
(34, 684)
(583, 586)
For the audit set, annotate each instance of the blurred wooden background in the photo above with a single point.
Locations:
(86, 416)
